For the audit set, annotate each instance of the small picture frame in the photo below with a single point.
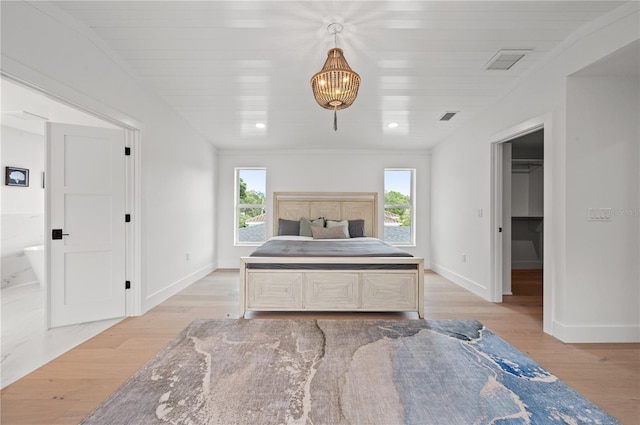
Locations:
(15, 176)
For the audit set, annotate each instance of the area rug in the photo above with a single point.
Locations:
(261, 371)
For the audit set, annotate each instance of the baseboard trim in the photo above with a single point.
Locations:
(162, 295)
(462, 281)
(596, 333)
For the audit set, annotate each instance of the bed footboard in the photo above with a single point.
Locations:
(354, 284)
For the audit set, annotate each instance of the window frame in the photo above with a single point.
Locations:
(411, 206)
(238, 206)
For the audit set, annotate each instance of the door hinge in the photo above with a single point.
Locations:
(500, 229)
(127, 284)
(127, 150)
(127, 218)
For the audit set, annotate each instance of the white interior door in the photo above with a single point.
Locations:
(86, 223)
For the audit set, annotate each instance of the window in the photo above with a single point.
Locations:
(399, 213)
(250, 205)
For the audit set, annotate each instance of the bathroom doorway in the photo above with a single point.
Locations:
(25, 113)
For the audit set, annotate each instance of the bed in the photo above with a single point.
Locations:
(329, 272)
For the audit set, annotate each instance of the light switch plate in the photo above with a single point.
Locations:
(599, 214)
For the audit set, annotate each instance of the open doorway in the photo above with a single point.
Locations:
(526, 214)
(520, 190)
(27, 344)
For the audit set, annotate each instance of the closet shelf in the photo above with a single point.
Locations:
(525, 165)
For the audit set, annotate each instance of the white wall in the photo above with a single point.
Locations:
(43, 46)
(520, 194)
(461, 182)
(526, 235)
(22, 217)
(527, 196)
(536, 192)
(603, 135)
(319, 171)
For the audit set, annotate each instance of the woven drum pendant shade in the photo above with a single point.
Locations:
(336, 85)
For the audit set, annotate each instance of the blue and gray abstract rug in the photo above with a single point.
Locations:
(441, 372)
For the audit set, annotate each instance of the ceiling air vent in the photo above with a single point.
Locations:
(505, 59)
(447, 116)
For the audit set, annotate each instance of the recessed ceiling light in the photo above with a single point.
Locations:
(260, 125)
(392, 125)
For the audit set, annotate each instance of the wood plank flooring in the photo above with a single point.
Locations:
(526, 282)
(67, 389)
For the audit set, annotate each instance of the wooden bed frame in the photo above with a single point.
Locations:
(331, 290)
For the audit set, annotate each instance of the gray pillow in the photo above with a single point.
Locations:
(305, 225)
(288, 227)
(356, 228)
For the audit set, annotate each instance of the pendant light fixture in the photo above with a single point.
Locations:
(336, 85)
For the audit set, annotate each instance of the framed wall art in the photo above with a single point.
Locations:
(15, 176)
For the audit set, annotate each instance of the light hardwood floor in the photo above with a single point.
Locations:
(65, 390)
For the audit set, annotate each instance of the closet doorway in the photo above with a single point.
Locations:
(518, 195)
(521, 219)
(523, 214)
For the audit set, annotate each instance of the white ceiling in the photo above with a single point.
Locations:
(622, 63)
(226, 65)
(21, 108)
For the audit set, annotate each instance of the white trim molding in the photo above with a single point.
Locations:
(158, 297)
(596, 333)
(460, 280)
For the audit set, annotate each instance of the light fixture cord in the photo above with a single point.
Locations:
(335, 118)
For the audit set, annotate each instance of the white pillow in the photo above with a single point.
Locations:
(328, 233)
(344, 224)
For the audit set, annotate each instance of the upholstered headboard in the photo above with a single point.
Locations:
(330, 205)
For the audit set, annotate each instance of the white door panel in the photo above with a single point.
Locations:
(88, 220)
(95, 154)
(86, 196)
(81, 264)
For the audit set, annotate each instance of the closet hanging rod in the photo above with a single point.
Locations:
(525, 165)
(532, 160)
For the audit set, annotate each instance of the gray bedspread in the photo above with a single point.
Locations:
(344, 248)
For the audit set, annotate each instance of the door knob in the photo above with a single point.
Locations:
(57, 234)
